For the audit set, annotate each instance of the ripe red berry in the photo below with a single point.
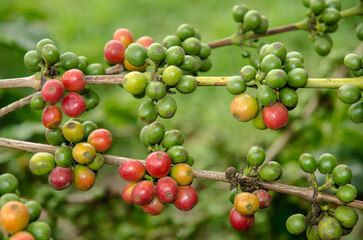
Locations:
(114, 51)
(52, 91)
(124, 35)
(52, 116)
(73, 105)
(145, 41)
(167, 190)
(276, 116)
(126, 192)
(143, 192)
(61, 178)
(264, 197)
(101, 139)
(74, 80)
(187, 198)
(158, 164)
(155, 207)
(131, 170)
(240, 222)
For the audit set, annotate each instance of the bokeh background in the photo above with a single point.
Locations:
(213, 137)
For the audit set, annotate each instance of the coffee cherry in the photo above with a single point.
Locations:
(8, 197)
(188, 63)
(172, 75)
(37, 102)
(317, 6)
(292, 63)
(244, 107)
(41, 44)
(353, 61)
(52, 91)
(246, 203)
(294, 54)
(232, 195)
(256, 156)
(182, 173)
(330, 15)
(32, 61)
(42, 163)
(73, 131)
(63, 157)
(329, 228)
(288, 97)
(136, 54)
(295, 224)
(270, 171)
(55, 136)
(126, 192)
(336, 4)
(185, 31)
(170, 41)
(83, 63)
(147, 112)
(355, 112)
(263, 51)
(73, 105)
(131, 170)
(40, 230)
(308, 163)
(158, 164)
(349, 94)
(266, 96)
(264, 198)
(166, 106)
(206, 65)
(359, 31)
(60, 178)
(101, 139)
(276, 78)
(167, 190)
(297, 77)
(14, 216)
(175, 56)
(74, 80)
(155, 132)
(124, 35)
(50, 54)
(34, 209)
(134, 82)
(278, 49)
(258, 120)
(346, 216)
(172, 138)
(276, 116)
(347, 193)
(251, 20)
(155, 90)
(178, 154)
(323, 45)
(190, 160)
(191, 46)
(342, 174)
(270, 62)
(8, 183)
(205, 51)
(143, 193)
(52, 116)
(239, 221)
(83, 153)
(156, 52)
(84, 178)
(155, 207)
(239, 11)
(197, 66)
(145, 41)
(330, 28)
(312, 232)
(187, 84)
(326, 163)
(89, 127)
(262, 28)
(306, 3)
(236, 85)
(95, 69)
(97, 163)
(143, 136)
(68, 60)
(186, 199)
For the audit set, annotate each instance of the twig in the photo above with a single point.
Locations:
(25, 82)
(305, 193)
(16, 105)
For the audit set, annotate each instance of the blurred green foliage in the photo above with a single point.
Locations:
(213, 137)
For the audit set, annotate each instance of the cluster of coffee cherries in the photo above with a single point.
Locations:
(359, 31)
(249, 20)
(77, 158)
(324, 16)
(46, 58)
(75, 102)
(277, 76)
(323, 222)
(247, 199)
(18, 216)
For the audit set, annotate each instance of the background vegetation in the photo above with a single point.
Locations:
(213, 137)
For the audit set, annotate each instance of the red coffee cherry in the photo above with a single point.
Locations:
(264, 197)
(52, 91)
(167, 190)
(240, 222)
(187, 198)
(124, 35)
(126, 192)
(114, 51)
(52, 116)
(74, 80)
(61, 178)
(155, 207)
(145, 41)
(158, 164)
(101, 139)
(131, 170)
(276, 116)
(143, 193)
(73, 105)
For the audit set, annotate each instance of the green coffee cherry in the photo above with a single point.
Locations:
(295, 54)
(342, 175)
(97, 163)
(295, 224)
(166, 107)
(205, 51)
(37, 102)
(236, 85)
(32, 61)
(136, 54)
(359, 31)
(346, 216)
(50, 54)
(143, 136)
(191, 46)
(155, 90)
(252, 20)
(178, 154)
(353, 61)
(270, 62)
(134, 82)
(276, 78)
(156, 52)
(349, 94)
(330, 15)
(170, 41)
(55, 136)
(329, 228)
(83, 63)
(270, 171)
(336, 4)
(34, 209)
(248, 73)
(258, 120)
(306, 3)
(278, 49)
(147, 112)
(187, 84)
(173, 138)
(41, 44)
(263, 51)
(185, 31)
(172, 75)
(323, 45)
(312, 233)
(355, 112)
(357, 73)
(292, 63)
(68, 60)
(190, 160)
(89, 127)
(317, 6)
(239, 11)
(256, 156)
(308, 163)
(206, 65)
(347, 193)
(326, 163)
(288, 97)
(95, 69)
(63, 157)
(266, 95)
(188, 63)
(8, 183)
(156, 132)
(175, 56)
(297, 77)
(263, 26)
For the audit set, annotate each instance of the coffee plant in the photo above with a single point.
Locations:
(77, 140)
